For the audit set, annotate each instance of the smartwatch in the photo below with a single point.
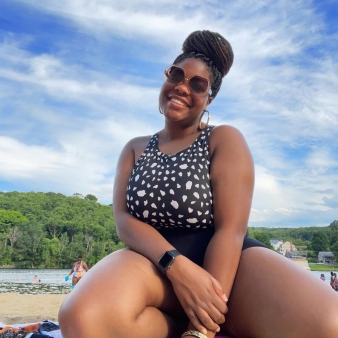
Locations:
(167, 259)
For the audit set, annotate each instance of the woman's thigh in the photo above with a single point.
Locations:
(115, 293)
(273, 297)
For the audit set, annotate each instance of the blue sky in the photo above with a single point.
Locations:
(79, 78)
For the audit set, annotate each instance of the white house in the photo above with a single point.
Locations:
(276, 243)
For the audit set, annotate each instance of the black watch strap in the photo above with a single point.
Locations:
(167, 259)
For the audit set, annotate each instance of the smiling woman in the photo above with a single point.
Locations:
(182, 199)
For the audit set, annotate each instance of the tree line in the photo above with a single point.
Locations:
(49, 230)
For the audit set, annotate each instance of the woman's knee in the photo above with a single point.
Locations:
(74, 318)
(111, 297)
(87, 317)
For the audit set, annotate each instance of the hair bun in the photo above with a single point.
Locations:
(212, 45)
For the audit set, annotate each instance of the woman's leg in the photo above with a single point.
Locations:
(122, 296)
(74, 281)
(273, 297)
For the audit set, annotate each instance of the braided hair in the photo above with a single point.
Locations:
(213, 50)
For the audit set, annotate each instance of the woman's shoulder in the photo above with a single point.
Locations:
(225, 130)
(136, 146)
(134, 142)
(226, 136)
(138, 143)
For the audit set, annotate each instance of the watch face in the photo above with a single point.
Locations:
(166, 259)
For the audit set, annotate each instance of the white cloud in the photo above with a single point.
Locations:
(84, 161)
(68, 81)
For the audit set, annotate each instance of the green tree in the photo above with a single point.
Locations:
(334, 249)
(11, 218)
(28, 253)
(333, 237)
(10, 221)
(57, 228)
(91, 197)
(13, 235)
(334, 225)
(264, 238)
(49, 252)
(319, 242)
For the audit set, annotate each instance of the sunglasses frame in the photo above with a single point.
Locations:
(166, 77)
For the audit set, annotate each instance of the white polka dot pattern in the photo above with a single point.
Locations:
(172, 191)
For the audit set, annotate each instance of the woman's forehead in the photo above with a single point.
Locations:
(193, 67)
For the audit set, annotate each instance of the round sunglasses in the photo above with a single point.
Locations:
(196, 84)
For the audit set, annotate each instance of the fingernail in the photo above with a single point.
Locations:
(204, 331)
(225, 298)
(218, 329)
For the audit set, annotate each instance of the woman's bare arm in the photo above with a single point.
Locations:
(138, 236)
(232, 181)
(85, 266)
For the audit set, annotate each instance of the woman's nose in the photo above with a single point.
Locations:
(182, 87)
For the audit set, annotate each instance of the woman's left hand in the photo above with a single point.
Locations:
(199, 293)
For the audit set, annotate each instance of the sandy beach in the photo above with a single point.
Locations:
(18, 308)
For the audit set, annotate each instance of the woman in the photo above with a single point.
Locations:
(182, 199)
(77, 270)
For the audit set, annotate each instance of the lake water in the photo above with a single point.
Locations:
(20, 280)
(53, 280)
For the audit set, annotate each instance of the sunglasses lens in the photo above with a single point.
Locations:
(175, 74)
(198, 84)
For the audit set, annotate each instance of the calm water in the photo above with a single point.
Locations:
(52, 280)
(326, 274)
(20, 280)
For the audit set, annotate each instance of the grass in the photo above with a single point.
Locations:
(323, 267)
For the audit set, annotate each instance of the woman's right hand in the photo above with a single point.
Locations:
(200, 294)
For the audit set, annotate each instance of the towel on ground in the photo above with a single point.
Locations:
(46, 329)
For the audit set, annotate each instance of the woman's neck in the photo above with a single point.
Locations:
(170, 133)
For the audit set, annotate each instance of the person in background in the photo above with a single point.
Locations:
(335, 282)
(332, 280)
(182, 199)
(78, 269)
(36, 279)
(322, 277)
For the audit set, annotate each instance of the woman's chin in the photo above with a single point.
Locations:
(174, 114)
(173, 118)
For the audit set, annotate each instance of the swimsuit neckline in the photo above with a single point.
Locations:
(159, 152)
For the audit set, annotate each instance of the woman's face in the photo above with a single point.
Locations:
(177, 103)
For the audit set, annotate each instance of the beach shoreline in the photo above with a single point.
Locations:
(16, 308)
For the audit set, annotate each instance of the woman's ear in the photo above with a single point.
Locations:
(208, 101)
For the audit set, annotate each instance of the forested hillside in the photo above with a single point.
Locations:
(49, 230)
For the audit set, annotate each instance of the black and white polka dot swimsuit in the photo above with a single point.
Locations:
(173, 194)
(173, 191)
